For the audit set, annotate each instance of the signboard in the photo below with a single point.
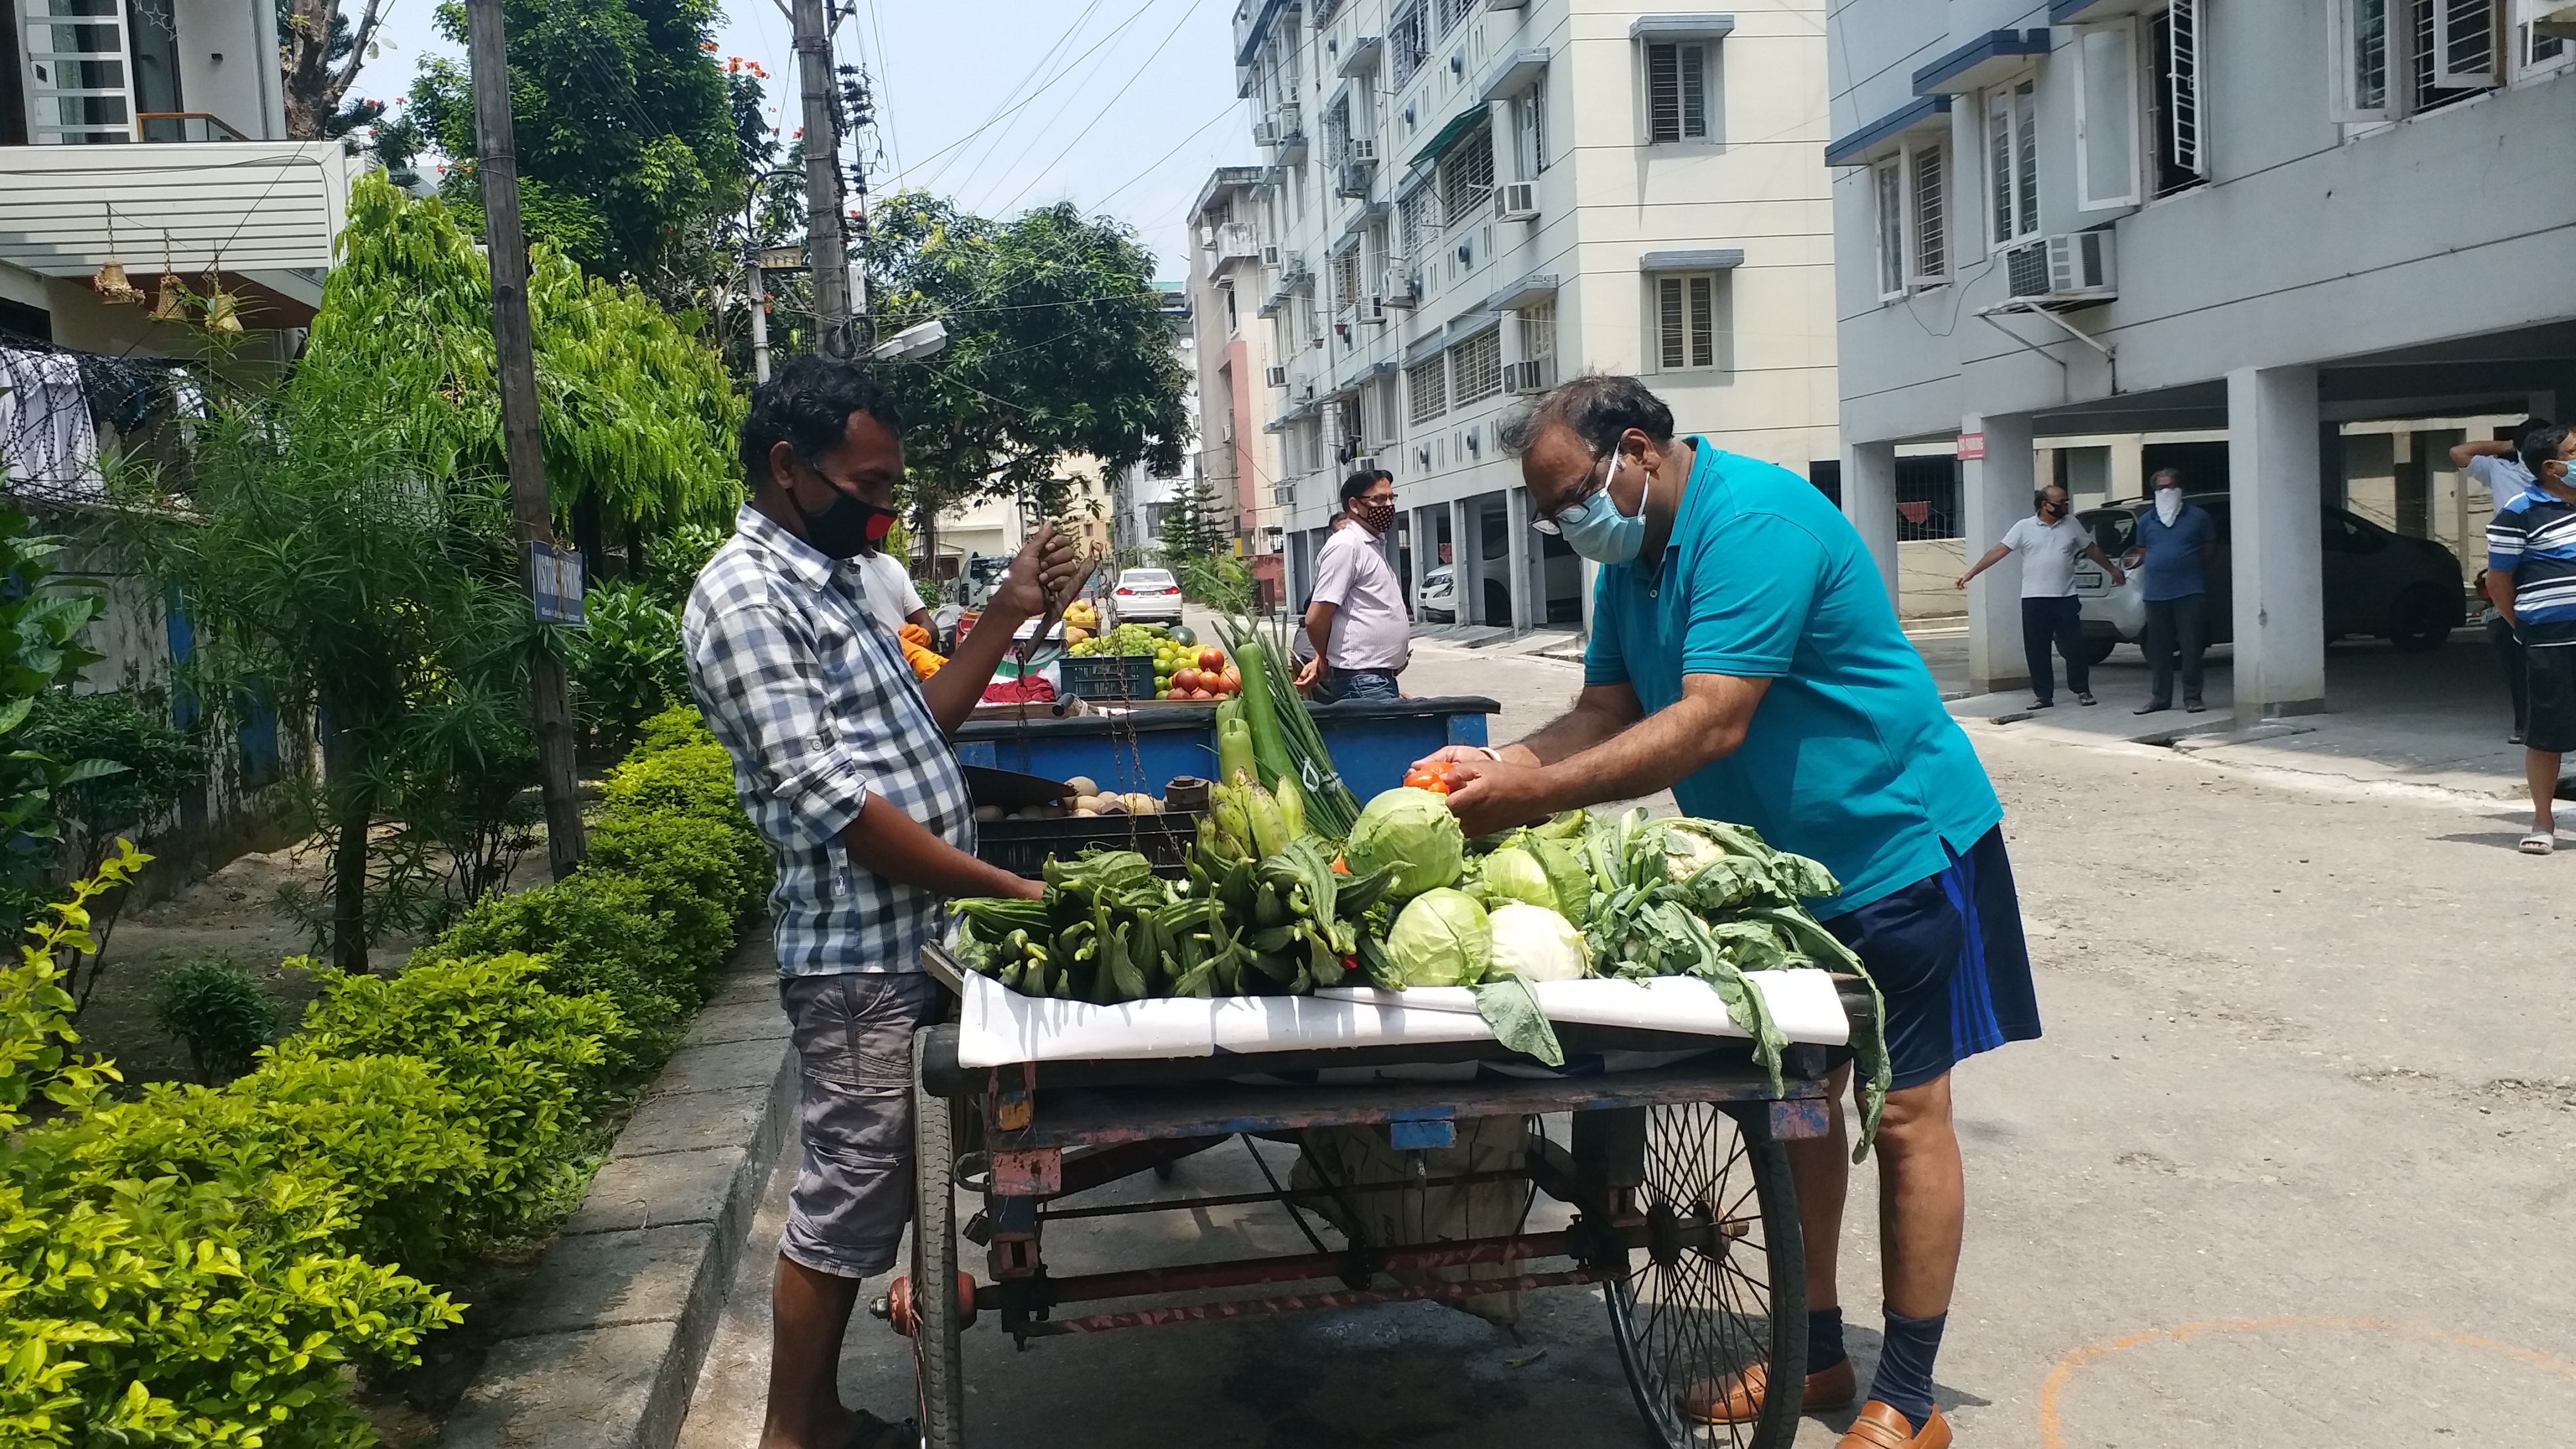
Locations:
(1972, 447)
(557, 576)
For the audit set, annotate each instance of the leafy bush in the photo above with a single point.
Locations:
(160, 763)
(696, 871)
(674, 558)
(40, 651)
(218, 1013)
(152, 1307)
(670, 730)
(596, 934)
(626, 666)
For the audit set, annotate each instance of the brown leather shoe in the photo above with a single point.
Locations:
(1737, 1398)
(1880, 1427)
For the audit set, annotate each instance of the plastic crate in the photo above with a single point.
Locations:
(1106, 676)
(1022, 846)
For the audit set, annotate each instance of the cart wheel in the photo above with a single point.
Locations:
(938, 1361)
(1722, 1282)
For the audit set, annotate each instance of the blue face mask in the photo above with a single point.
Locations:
(1601, 532)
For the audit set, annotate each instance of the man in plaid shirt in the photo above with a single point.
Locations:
(841, 758)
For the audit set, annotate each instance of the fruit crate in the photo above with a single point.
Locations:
(1106, 676)
(1022, 846)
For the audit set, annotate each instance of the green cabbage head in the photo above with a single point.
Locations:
(1514, 874)
(1441, 939)
(1411, 833)
(1535, 944)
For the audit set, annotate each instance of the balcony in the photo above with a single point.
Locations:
(262, 213)
(1236, 241)
(191, 127)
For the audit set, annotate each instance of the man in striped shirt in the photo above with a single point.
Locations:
(2531, 575)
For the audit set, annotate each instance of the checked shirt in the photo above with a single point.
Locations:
(812, 698)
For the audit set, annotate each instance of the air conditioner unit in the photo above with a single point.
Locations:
(2064, 270)
(1306, 390)
(1399, 288)
(1275, 376)
(1363, 150)
(1265, 133)
(1351, 181)
(1375, 311)
(1536, 375)
(1516, 201)
(1270, 256)
(1364, 463)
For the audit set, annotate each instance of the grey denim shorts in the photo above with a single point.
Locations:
(853, 1192)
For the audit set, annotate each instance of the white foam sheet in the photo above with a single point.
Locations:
(999, 1026)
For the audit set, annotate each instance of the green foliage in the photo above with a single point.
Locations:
(626, 667)
(153, 1306)
(671, 730)
(595, 934)
(674, 558)
(218, 1012)
(625, 125)
(40, 652)
(337, 555)
(1057, 344)
(160, 763)
(697, 870)
(639, 414)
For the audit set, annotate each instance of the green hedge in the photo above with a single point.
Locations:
(203, 1267)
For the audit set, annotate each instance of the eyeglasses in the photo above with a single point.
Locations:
(1554, 523)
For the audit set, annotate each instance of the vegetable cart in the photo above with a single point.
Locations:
(1676, 1173)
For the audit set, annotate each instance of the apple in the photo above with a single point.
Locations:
(1186, 679)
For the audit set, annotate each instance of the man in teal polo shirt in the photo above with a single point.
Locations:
(1745, 653)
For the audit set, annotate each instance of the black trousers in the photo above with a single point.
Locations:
(2176, 626)
(2517, 677)
(2061, 621)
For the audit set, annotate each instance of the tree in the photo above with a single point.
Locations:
(1057, 345)
(626, 133)
(1198, 525)
(639, 413)
(321, 52)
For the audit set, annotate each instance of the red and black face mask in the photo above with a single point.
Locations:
(847, 527)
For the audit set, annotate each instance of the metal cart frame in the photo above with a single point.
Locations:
(1678, 1175)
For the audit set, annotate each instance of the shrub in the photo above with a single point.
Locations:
(218, 1012)
(672, 728)
(596, 934)
(696, 871)
(626, 665)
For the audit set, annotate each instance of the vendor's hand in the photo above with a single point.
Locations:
(1314, 675)
(2119, 580)
(1041, 573)
(1021, 888)
(1447, 754)
(1489, 795)
(1960, 583)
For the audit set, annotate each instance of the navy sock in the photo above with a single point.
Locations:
(1824, 1339)
(1904, 1378)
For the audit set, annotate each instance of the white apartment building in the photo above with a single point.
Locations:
(2300, 245)
(1466, 201)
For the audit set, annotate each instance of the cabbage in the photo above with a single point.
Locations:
(1513, 874)
(1411, 834)
(1440, 938)
(1535, 944)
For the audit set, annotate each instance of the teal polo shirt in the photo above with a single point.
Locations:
(1850, 758)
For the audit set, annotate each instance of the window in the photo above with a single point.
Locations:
(1337, 133)
(2175, 74)
(2454, 50)
(1232, 326)
(1537, 338)
(1426, 388)
(1476, 366)
(1930, 165)
(1686, 320)
(1677, 92)
(1407, 46)
(1529, 131)
(1453, 11)
(1888, 181)
(2106, 114)
(2012, 161)
(1467, 176)
(1346, 278)
(2396, 58)
(2534, 52)
(1417, 220)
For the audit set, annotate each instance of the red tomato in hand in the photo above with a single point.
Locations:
(1426, 779)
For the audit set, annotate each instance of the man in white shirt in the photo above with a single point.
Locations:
(2049, 542)
(887, 585)
(2495, 464)
(1356, 615)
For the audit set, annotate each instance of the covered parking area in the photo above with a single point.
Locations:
(2297, 439)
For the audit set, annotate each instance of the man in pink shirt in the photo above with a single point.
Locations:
(1356, 615)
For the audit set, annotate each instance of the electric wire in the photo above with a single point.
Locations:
(1106, 107)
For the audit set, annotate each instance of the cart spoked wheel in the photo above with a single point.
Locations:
(1719, 1285)
(938, 1360)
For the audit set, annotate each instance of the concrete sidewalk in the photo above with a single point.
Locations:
(2419, 722)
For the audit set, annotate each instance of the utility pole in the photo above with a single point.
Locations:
(758, 278)
(497, 162)
(823, 209)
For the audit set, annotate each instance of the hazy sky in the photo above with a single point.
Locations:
(1121, 106)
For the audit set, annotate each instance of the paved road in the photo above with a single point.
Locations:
(2295, 1164)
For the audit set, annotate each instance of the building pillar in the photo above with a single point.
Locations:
(1426, 544)
(1994, 494)
(1466, 544)
(1516, 537)
(1869, 501)
(1591, 586)
(2275, 545)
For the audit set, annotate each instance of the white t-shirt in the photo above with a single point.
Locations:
(2048, 554)
(887, 584)
(2505, 479)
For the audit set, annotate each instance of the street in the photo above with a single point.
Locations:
(2292, 1165)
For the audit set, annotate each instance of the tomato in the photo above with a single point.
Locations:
(1425, 779)
(1185, 679)
(1211, 658)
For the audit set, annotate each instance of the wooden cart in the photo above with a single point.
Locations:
(1683, 1213)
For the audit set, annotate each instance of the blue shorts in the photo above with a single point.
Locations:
(1948, 955)
(1344, 684)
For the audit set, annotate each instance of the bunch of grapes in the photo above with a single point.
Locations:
(1125, 639)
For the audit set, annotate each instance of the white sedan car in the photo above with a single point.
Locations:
(1146, 596)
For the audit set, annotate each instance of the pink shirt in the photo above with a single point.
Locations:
(1369, 628)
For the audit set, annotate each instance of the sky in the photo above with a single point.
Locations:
(1120, 106)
